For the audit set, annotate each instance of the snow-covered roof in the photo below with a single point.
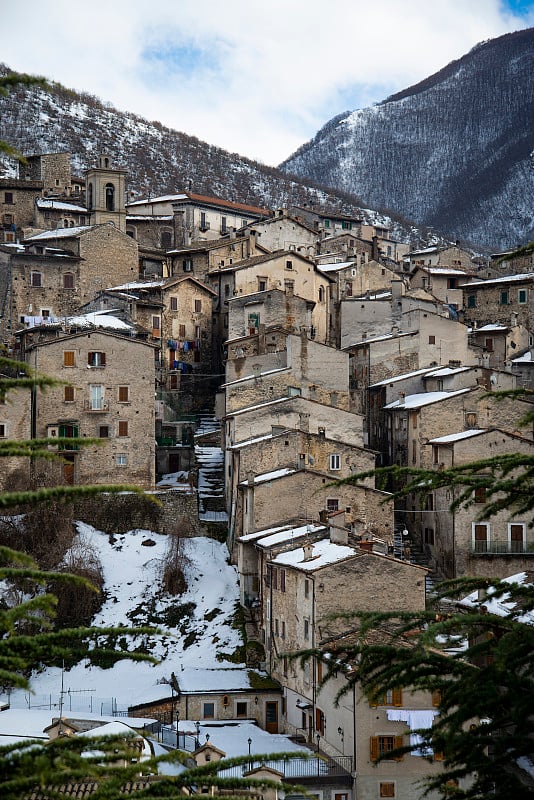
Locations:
(383, 338)
(442, 372)
(29, 723)
(164, 198)
(99, 319)
(126, 287)
(335, 267)
(500, 607)
(257, 406)
(443, 271)
(271, 476)
(372, 296)
(424, 399)
(493, 327)
(402, 377)
(58, 233)
(524, 359)
(45, 202)
(149, 217)
(325, 552)
(289, 535)
(457, 437)
(214, 680)
(424, 251)
(262, 374)
(255, 440)
(515, 278)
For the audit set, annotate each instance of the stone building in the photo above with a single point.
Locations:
(106, 194)
(285, 232)
(505, 301)
(202, 257)
(107, 393)
(305, 493)
(306, 368)
(496, 345)
(17, 205)
(251, 316)
(444, 283)
(460, 542)
(52, 169)
(438, 256)
(51, 213)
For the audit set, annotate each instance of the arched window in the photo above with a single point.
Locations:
(110, 197)
(321, 294)
(166, 239)
(90, 196)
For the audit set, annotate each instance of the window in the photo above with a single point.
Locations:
(480, 494)
(198, 306)
(124, 394)
(156, 327)
(174, 303)
(504, 298)
(283, 630)
(122, 429)
(429, 536)
(282, 580)
(470, 419)
(321, 294)
(276, 627)
(522, 296)
(121, 459)
(181, 331)
(68, 280)
(332, 504)
(335, 461)
(203, 226)
(306, 588)
(224, 228)
(306, 629)
(36, 279)
(346, 226)
(188, 264)
(241, 709)
(262, 284)
(471, 301)
(97, 398)
(110, 197)
(68, 394)
(166, 240)
(516, 537)
(319, 671)
(451, 283)
(393, 697)
(480, 534)
(68, 358)
(284, 665)
(387, 789)
(96, 359)
(289, 286)
(431, 340)
(319, 721)
(380, 746)
(103, 431)
(289, 264)
(8, 198)
(3, 430)
(489, 344)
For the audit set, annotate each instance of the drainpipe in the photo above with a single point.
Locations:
(354, 771)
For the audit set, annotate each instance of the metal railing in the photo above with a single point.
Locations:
(315, 767)
(502, 548)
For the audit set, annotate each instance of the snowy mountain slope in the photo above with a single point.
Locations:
(159, 160)
(455, 152)
(196, 625)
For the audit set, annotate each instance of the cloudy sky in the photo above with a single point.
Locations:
(257, 78)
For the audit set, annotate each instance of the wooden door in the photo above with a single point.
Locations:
(271, 716)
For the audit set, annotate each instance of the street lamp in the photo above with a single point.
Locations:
(197, 740)
(177, 727)
(249, 761)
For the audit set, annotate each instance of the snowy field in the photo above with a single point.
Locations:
(196, 626)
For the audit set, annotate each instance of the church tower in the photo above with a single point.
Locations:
(105, 193)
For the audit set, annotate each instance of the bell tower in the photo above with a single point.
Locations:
(105, 193)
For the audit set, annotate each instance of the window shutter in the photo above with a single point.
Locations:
(397, 697)
(438, 756)
(103, 359)
(373, 748)
(398, 741)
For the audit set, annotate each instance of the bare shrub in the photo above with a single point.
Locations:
(78, 604)
(174, 562)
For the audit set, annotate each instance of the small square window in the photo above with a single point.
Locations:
(209, 710)
(289, 264)
(471, 301)
(3, 430)
(36, 279)
(96, 359)
(121, 459)
(431, 339)
(8, 198)
(103, 432)
(241, 709)
(68, 280)
(387, 789)
(504, 298)
(68, 394)
(332, 504)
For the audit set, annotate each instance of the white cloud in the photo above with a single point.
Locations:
(254, 78)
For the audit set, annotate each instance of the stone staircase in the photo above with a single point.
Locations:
(210, 460)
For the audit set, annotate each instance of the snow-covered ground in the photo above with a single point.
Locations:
(196, 626)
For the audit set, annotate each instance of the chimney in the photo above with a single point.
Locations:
(250, 478)
(338, 533)
(402, 398)
(307, 550)
(256, 369)
(323, 516)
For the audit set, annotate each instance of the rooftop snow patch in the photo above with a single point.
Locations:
(424, 399)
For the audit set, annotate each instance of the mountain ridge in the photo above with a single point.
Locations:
(468, 125)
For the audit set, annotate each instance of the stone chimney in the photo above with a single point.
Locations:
(402, 398)
(307, 550)
(339, 534)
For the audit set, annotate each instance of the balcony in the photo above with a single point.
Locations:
(204, 226)
(489, 549)
(96, 406)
